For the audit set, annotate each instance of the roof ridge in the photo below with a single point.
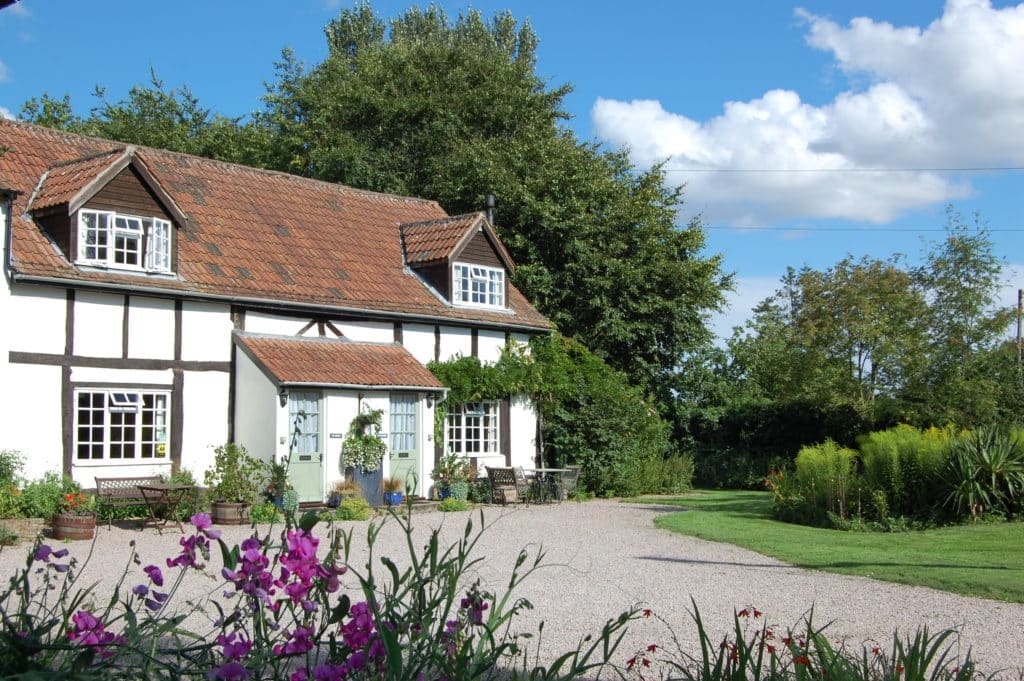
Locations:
(441, 221)
(312, 339)
(203, 159)
(87, 157)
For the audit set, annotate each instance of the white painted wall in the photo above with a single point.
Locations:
(31, 408)
(206, 332)
(455, 341)
(489, 345)
(98, 322)
(523, 429)
(368, 332)
(122, 376)
(35, 319)
(418, 339)
(151, 328)
(279, 325)
(205, 418)
(256, 407)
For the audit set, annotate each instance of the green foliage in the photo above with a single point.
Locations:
(44, 498)
(452, 468)
(192, 501)
(593, 418)
(11, 464)
(155, 116)
(235, 476)
(902, 469)
(353, 508)
(924, 345)
(264, 513)
(453, 504)
(825, 474)
(986, 473)
(656, 475)
(458, 490)
(737, 445)
(363, 446)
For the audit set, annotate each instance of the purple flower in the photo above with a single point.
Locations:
(89, 631)
(155, 575)
(44, 553)
(229, 671)
(141, 591)
(234, 649)
(299, 641)
(201, 521)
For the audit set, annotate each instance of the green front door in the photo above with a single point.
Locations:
(305, 470)
(404, 436)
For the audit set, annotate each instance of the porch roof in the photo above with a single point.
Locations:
(336, 362)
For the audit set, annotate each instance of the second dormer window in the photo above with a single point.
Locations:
(478, 285)
(120, 241)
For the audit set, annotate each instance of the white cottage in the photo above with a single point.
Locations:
(155, 305)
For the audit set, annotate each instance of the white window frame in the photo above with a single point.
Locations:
(478, 285)
(125, 242)
(473, 429)
(119, 426)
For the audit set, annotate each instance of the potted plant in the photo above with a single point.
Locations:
(234, 482)
(452, 471)
(277, 481)
(394, 488)
(342, 489)
(77, 517)
(363, 451)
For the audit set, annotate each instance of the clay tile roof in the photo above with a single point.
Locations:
(64, 180)
(336, 362)
(435, 240)
(248, 234)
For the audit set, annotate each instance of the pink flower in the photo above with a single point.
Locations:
(155, 575)
(229, 671)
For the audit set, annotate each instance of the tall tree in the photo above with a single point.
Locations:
(453, 111)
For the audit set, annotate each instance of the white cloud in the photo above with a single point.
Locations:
(19, 9)
(947, 95)
(6, 113)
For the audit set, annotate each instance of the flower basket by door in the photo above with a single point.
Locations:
(73, 526)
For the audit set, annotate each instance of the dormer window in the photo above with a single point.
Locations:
(110, 239)
(478, 286)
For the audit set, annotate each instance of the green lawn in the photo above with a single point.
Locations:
(977, 560)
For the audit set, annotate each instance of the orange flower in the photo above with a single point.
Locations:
(801, 659)
(652, 648)
(647, 612)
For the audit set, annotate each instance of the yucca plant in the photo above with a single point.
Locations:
(985, 472)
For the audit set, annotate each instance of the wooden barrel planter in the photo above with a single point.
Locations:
(74, 527)
(229, 513)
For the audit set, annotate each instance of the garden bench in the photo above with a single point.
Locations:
(112, 492)
(507, 485)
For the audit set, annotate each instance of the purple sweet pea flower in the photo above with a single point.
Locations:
(155, 575)
(229, 671)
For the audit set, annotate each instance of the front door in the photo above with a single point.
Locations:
(404, 436)
(305, 470)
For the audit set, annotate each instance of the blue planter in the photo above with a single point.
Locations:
(369, 484)
(393, 498)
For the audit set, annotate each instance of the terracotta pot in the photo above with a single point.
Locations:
(71, 526)
(228, 513)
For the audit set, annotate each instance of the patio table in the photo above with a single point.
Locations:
(547, 481)
(166, 497)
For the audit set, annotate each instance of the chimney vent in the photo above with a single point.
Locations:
(489, 203)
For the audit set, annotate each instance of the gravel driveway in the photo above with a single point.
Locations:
(603, 557)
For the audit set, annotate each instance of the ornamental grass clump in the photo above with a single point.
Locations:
(282, 608)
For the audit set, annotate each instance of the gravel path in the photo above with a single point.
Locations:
(604, 557)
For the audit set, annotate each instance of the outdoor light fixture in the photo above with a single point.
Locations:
(430, 400)
(283, 396)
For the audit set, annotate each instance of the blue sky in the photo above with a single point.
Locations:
(835, 95)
